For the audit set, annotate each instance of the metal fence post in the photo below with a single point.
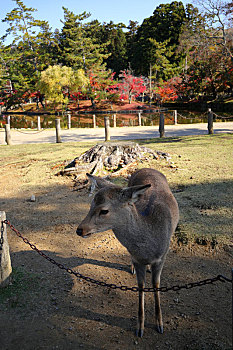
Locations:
(8, 134)
(161, 124)
(210, 121)
(107, 128)
(5, 260)
(58, 130)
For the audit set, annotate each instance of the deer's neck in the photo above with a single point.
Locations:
(131, 224)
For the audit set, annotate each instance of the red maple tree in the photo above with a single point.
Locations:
(130, 86)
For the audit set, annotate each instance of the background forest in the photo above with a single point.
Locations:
(179, 52)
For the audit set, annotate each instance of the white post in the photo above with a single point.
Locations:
(94, 121)
(58, 130)
(114, 120)
(139, 119)
(107, 128)
(68, 121)
(8, 134)
(38, 123)
(8, 118)
(175, 117)
(5, 260)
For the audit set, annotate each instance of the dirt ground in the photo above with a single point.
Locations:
(46, 308)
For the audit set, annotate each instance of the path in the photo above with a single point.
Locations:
(128, 133)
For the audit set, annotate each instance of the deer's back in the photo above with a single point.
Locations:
(158, 203)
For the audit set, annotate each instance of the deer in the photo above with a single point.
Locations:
(143, 217)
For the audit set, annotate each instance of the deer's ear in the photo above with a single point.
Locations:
(98, 181)
(133, 193)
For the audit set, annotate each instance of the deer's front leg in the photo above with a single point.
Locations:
(156, 272)
(141, 274)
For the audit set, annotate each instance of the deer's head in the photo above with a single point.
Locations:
(110, 206)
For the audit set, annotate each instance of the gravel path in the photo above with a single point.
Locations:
(98, 134)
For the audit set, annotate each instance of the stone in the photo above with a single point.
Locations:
(33, 198)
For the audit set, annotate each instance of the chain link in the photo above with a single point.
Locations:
(30, 132)
(175, 288)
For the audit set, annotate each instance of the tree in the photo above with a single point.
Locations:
(115, 39)
(159, 54)
(56, 82)
(29, 50)
(218, 17)
(131, 39)
(130, 86)
(167, 91)
(79, 50)
(100, 81)
(164, 26)
(228, 7)
(207, 49)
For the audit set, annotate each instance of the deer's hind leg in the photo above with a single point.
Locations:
(156, 272)
(141, 275)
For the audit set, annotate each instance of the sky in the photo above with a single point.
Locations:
(102, 10)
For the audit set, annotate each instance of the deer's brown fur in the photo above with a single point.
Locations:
(143, 217)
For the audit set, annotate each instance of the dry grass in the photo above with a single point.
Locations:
(202, 179)
(201, 176)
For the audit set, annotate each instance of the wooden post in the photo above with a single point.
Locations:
(114, 120)
(8, 119)
(161, 124)
(58, 130)
(8, 134)
(68, 120)
(5, 260)
(38, 123)
(139, 119)
(232, 295)
(94, 121)
(175, 117)
(107, 128)
(210, 121)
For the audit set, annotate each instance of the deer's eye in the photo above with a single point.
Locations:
(103, 212)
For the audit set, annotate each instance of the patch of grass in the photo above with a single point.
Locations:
(48, 153)
(181, 236)
(21, 282)
(203, 184)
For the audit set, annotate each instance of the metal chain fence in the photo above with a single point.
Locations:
(30, 132)
(223, 117)
(189, 285)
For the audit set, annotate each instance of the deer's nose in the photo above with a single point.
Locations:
(79, 231)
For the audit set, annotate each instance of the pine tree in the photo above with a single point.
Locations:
(28, 52)
(78, 49)
(164, 26)
(112, 35)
